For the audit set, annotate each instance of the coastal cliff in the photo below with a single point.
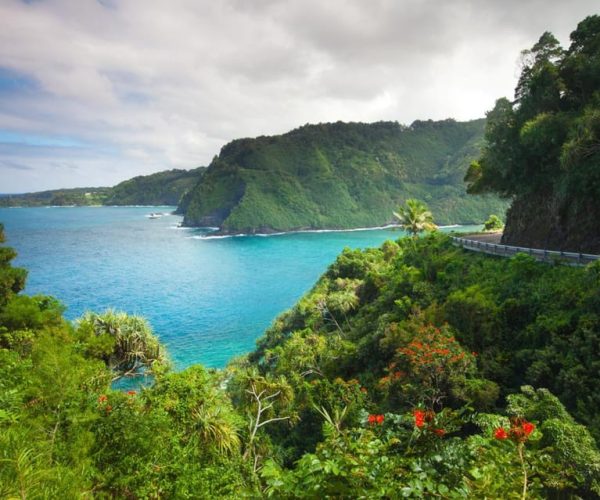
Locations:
(540, 221)
(340, 176)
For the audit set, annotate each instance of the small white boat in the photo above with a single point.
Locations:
(154, 216)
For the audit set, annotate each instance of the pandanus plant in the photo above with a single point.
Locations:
(135, 349)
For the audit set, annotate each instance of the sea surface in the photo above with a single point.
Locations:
(208, 299)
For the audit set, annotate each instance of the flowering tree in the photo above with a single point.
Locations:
(428, 363)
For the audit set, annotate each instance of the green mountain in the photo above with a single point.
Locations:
(161, 188)
(340, 175)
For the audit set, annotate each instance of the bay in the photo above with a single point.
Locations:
(208, 299)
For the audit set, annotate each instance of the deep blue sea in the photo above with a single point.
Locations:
(207, 299)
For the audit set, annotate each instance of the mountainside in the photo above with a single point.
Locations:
(161, 188)
(340, 175)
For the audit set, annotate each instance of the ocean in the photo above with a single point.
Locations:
(208, 299)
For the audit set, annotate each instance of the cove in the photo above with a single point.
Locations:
(208, 299)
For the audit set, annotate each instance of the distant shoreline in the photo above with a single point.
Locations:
(92, 206)
(217, 234)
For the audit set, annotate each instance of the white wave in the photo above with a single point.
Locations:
(301, 231)
(218, 236)
(140, 206)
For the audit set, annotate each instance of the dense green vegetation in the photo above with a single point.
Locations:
(404, 372)
(340, 175)
(162, 188)
(493, 223)
(543, 148)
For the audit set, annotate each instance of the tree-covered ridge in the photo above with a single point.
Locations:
(397, 376)
(161, 188)
(339, 175)
(89, 196)
(543, 148)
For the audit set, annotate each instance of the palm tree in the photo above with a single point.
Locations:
(414, 217)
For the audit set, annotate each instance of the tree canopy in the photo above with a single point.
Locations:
(546, 135)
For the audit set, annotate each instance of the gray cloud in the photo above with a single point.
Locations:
(13, 165)
(147, 86)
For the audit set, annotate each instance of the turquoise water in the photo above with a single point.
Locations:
(207, 299)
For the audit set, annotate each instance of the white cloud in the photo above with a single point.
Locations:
(146, 86)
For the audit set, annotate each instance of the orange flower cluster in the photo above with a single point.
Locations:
(419, 418)
(434, 348)
(520, 430)
(102, 400)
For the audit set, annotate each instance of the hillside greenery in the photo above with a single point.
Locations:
(91, 196)
(404, 372)
(543, 147)
(161, 188)
(340, 175)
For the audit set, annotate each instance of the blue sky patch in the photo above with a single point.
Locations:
(12, 81)
(25, 139)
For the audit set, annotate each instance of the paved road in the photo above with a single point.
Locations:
(489, 243)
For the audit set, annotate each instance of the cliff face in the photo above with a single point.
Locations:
(542, 221)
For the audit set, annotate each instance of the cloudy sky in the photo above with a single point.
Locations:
(93, 92)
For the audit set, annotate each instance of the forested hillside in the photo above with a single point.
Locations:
(161, 188)
(400, 373)
(57, 197)
(543, 148)
(340, 175)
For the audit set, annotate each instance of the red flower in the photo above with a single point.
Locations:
(103, 398)
(376, 419)
(440, 432)
(131, 393)
(527, 427)
(419, 418)
(500, 433)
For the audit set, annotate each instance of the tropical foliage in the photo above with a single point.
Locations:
(404, 372)
(542, 148)
(494, 223)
